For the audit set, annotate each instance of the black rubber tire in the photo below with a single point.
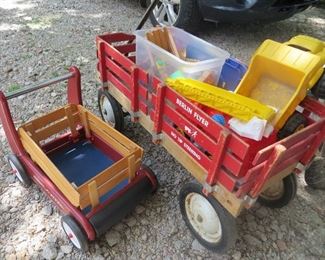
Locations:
(153, 177)
(318, 90)
(116, 107)
(289, 193)
(78, 232)
(315, 174)
(24, 179)
(295, 121)
(189, 17)
(228, 222)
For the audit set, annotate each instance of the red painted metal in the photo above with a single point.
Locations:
(9, 127)
(240, 164)
(74, 87)
(134, 93)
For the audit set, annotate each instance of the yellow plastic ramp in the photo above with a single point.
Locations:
(235, 105)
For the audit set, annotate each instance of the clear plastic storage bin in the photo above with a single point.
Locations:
(161, 63)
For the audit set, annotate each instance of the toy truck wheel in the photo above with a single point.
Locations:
(295, 123)
(280, 194)
(74, 233)
(19, 170)
(110, 110)
(315, 174)
(318, 89)
(207, 220)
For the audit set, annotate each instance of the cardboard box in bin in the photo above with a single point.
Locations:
(199, 58)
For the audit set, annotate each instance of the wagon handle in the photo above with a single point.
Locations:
(74, 93)
(38, 85)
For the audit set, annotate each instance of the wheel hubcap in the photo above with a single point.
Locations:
(274, 192)
(107, 111)
(71, 235)
(16, 172)
(203, 218)
(167, 11)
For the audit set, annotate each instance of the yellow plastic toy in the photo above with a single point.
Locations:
(236, 105)
(279, 76)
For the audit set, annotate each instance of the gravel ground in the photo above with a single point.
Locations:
(40, 39)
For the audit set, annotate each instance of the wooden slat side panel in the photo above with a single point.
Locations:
(126, 48)
(201, 119)
(118, 57)
(105, 175)
(118, 84)
(118, 71)
(111, 38)
(105, 187)
(51, 117)
(123, 140)
(55, 128)
(288, 142)
(39, 157)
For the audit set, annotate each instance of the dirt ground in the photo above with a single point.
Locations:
(40, 39)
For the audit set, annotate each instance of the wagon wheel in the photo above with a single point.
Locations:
(318, 89)
(19, 170)
(280, 194)
(207, 220)
(315, 174)
(295, 123)
(110, 110)
(74, 233)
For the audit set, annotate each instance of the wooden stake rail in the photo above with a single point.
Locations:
(71, 118)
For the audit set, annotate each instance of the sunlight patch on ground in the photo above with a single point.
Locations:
(9, 27)
(41, 22)
(12, 4)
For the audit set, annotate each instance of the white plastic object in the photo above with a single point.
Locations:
(164, 64)
(253, 129)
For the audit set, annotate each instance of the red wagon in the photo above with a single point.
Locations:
(232, 172)
(91, 171)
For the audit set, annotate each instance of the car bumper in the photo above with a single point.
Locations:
(244, 11)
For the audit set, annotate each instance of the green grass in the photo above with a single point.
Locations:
(14, 87)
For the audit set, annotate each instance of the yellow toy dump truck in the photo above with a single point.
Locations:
(280, 76)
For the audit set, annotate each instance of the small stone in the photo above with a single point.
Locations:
(262, 213)
(8, 69)
(253, 241)
(10, 257)
(112, 238)
(131, 221)
(9, 249)
(49, 252)
(11, 179)
(98, 257)
(53, 94)
(236, 255)
(47, 210)
(197, 246)
(67, 249)
(144, 237)
(139, 209)
(281, 245)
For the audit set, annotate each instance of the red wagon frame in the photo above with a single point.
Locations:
(233, 169)
(98, 219)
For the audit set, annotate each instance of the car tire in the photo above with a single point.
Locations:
(207, 219)
(187, 15)
(110, 110)
(279, 198)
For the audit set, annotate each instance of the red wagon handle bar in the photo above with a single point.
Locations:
(40, 85)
